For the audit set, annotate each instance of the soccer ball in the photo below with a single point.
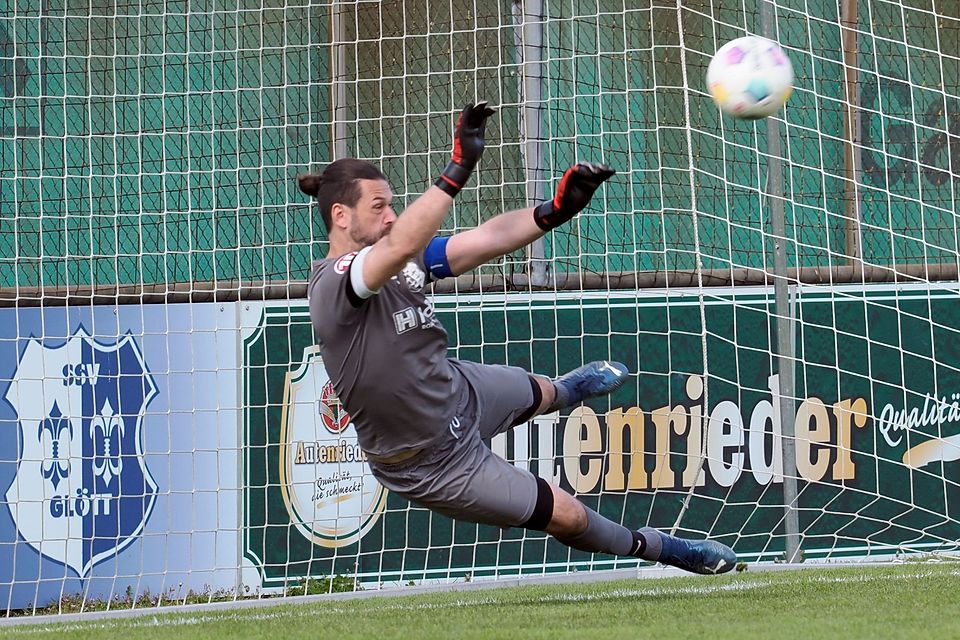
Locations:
(750, 78)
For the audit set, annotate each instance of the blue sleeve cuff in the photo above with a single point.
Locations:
(435, 258)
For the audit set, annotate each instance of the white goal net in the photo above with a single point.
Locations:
(784, 291)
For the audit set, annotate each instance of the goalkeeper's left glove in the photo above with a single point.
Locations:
(468, 146)
(576, 187)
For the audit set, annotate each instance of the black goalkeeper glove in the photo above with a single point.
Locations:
(576, 187)
(467, 147)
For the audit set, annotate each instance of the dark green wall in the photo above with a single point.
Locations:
(151, 142)
(617, 93)
(155, 142)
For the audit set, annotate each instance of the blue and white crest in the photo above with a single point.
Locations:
(82, 492)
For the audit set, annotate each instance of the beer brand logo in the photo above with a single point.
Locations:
(82, 492)
(328, 490)
(335, 418)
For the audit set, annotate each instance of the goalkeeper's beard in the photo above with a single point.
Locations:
(367, 238)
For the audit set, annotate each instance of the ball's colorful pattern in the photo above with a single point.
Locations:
(735, 55)
(750, 77)
(779, 56)
(757, 89)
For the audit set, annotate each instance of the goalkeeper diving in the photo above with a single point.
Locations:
(420, 416)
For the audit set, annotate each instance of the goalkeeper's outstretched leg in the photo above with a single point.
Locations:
(465, 480)
(580, 527)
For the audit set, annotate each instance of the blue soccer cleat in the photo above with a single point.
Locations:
(696, 556)
(589, 381)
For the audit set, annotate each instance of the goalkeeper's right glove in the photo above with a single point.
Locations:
(467, 147)
(576, 187)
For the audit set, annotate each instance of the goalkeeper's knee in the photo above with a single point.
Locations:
(542, 514)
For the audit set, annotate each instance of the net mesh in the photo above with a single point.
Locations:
(156, 144)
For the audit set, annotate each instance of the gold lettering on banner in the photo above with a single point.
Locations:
(848, 413)
(633, 421)
(663, 418)
(812, 428)
(581, 436)
(608, 452)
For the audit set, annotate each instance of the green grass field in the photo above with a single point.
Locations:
(913, 600)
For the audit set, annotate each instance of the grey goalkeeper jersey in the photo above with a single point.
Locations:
(386, 356)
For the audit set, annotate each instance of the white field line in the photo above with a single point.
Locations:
(482, 598)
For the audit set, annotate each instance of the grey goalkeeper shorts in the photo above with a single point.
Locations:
(460, 476)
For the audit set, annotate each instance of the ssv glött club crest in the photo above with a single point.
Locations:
(82, 492)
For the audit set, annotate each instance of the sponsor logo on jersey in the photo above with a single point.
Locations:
(405, 320)
(414, 276)
(342, 265)
(456, 430)
(328, 490)
(409, 318)
(82, 492)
